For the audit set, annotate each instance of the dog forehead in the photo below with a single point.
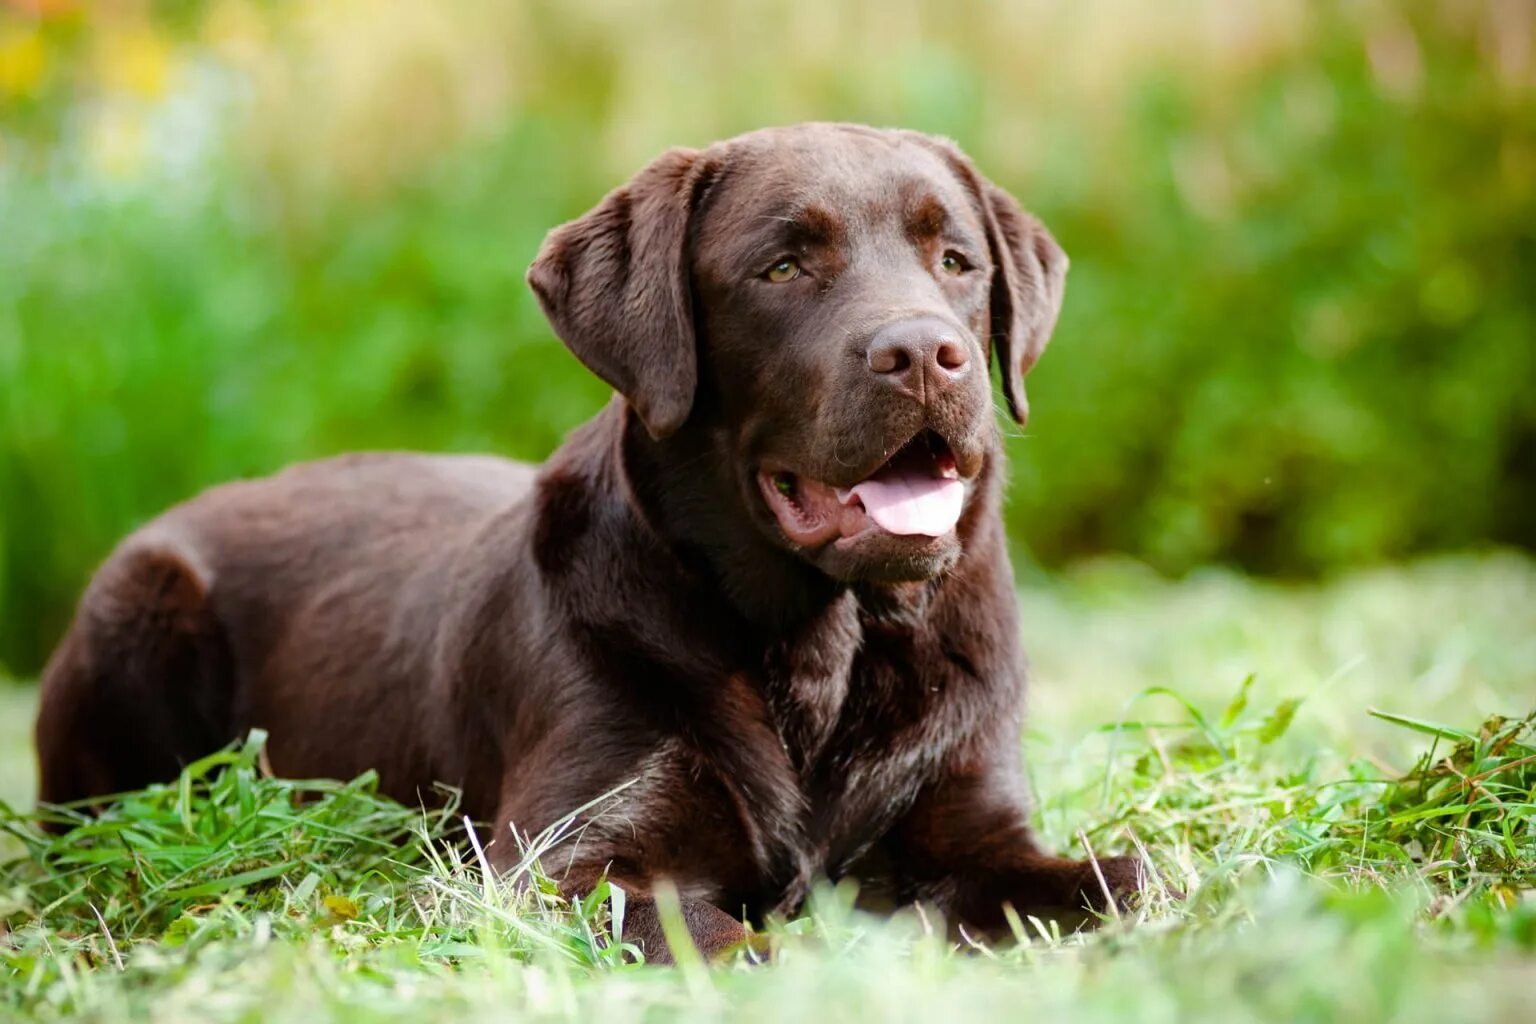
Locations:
(856, 175)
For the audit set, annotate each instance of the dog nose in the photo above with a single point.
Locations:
(919, 357)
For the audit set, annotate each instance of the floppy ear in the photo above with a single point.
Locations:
(1028, 279)
(614, 285)
(1029, 275)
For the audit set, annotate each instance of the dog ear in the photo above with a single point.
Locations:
(1029, 273)
(1029, 278)
(614, 284)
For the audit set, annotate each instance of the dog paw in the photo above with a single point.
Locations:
(1118, 880)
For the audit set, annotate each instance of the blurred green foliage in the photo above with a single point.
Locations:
(1300, 329)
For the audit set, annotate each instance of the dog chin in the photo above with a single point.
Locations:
(874, 556)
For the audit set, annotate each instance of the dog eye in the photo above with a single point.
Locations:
(787, 269)
(954, 263)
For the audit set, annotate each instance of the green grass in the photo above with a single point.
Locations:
(1339, 863)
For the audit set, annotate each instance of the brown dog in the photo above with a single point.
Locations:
(767, 586)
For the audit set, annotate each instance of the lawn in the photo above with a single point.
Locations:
(1317, 768)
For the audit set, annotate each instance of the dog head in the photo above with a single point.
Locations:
(822, 300)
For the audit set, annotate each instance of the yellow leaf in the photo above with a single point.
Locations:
(342, 907)
(136, 61)
(23, 61)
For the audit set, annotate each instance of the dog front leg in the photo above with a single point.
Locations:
(966, 847)
(715, 933)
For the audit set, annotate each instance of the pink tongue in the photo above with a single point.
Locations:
(910, 503)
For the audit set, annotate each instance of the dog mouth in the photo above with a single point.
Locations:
(918, 492)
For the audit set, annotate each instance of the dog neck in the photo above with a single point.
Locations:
(681, 490)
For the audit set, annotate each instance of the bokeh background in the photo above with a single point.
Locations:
(1300, 333)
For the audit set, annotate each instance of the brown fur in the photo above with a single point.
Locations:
(631, 610)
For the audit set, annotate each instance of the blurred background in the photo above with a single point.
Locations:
(1300, 333)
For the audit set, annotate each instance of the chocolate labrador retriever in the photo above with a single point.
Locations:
(767, 587)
